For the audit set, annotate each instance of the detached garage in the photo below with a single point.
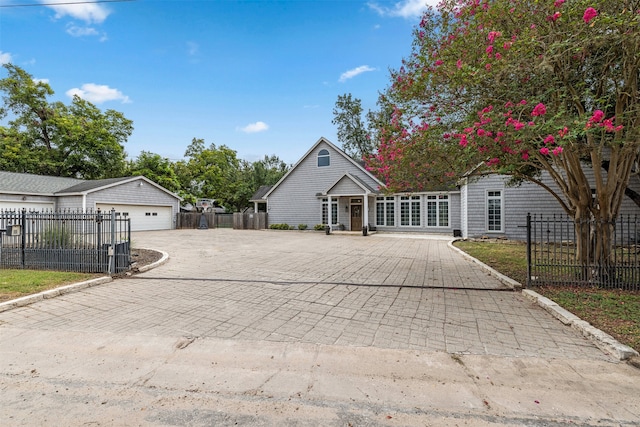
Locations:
(148, 205)
(142, 217)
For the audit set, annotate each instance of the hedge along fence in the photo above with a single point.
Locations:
(91, 242)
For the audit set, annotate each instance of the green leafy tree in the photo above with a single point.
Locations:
(216, 173)
(159, 170)
(352, 131)
(212, 173)
(267, 171)
(51, 138)
(522, 88)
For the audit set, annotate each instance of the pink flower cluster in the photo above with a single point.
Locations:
(554, 17)
(597, 118)
(589, 14)
(539, 110)
(556, 151)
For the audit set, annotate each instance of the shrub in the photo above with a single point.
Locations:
(319, 227)
(281, 227)
(302, 226)
(56, 236)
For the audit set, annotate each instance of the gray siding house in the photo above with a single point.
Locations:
(491, 208)
(150, 206)
(328, 187)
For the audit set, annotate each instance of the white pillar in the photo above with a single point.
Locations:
(329, 211)
(365, 216)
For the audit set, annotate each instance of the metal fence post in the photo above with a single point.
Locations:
(528, 283)
(23, 243)
(112, 245)
(99, 239)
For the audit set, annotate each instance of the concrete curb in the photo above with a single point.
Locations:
(508, 281)
(162, 260)
(604, 341)
(75, 287)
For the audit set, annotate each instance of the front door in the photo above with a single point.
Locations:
(356, 217)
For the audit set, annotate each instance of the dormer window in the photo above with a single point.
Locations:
(323, 158)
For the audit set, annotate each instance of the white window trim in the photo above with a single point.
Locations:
(438, 203)
(386, 200)
(334, 201)
(411, 201)
(328, 156)
(486, 210)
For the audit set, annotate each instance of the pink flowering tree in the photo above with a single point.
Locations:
(526, 89)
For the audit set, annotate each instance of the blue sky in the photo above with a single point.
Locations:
(261, 77)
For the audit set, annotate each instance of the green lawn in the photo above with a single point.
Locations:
(613, 311)
(17, 283)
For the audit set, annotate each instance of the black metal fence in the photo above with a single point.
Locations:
(561, 251)
(94, 242)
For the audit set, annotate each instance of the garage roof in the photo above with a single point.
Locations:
(25, 183)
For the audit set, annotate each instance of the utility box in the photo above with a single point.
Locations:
(14, 230)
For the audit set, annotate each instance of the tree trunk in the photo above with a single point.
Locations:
(584, 252)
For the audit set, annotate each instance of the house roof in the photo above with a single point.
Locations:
(355, 179)
(334, 147)
(25, 183)
(258, 196)
(87, 186)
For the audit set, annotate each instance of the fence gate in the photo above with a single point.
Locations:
(561, 251)
(94, 242)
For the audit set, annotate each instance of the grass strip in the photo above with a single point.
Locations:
(18, 283)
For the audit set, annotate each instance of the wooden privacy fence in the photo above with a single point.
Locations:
(238, 220)
(202, 219)
(250, 221)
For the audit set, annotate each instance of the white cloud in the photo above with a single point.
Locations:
(5, 57)
(41, 81)
(192, 48)
(255, 127)
(87, 12)
(76, 31)
(354, 72)
(404, 8)
(98, 94)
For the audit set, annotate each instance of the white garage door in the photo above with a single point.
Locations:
(17, 206)
(143, 217)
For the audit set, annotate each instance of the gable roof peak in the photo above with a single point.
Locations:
(323, 140)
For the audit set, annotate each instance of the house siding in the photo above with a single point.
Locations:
(72, 203)
(26, 201)
(132, 193)
(517, 203)
(297, 200)
(346, 187)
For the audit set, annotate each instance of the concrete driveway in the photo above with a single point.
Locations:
(300, 328)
